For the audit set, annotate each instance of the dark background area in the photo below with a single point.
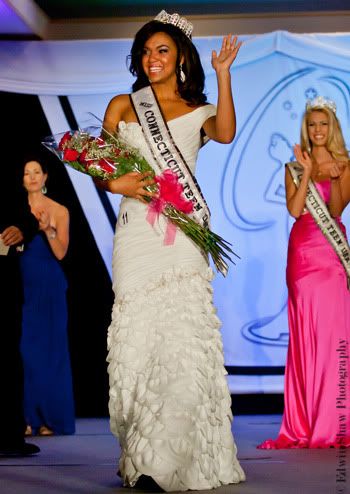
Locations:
(58, 9)
(89, 294)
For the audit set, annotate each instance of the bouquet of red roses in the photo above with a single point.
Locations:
(102, 155)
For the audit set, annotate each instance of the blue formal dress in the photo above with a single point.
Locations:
(48, 394)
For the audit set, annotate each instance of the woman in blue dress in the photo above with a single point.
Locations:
(48, 394)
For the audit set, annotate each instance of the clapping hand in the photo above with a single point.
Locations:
(336, 168)
(229, 49)
(44, 220)
(303, 158)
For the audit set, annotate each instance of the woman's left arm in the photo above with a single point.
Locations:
(222, 127)
(58, 235)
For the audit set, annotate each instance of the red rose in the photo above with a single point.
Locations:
(82, 157)
(64, 139)
(106, 166)
(70, 155)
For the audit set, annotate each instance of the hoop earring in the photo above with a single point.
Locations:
(182, 74)
(44, 189)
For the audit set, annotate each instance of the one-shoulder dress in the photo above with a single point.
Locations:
(169, 401)
(317, 380)
(48, 393)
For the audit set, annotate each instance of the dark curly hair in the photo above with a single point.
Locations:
(192, 89)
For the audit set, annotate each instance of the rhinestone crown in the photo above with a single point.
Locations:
(321, 102)
(176, 20)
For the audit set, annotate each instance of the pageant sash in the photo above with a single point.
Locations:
(320, 213)
(165, 152)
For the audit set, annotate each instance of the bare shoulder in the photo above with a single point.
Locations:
(62, 211)
(118, 108)
(119, 102)
(58, 211)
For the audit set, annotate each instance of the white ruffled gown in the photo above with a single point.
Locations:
(169, 401)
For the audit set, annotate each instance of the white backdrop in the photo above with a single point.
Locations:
(243, 182)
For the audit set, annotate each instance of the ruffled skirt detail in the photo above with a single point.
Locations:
(169, 401)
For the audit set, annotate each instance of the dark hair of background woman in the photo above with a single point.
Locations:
(27, 156)
(192, 89)
(34, 157)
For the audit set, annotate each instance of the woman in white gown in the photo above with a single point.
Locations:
(169, 401)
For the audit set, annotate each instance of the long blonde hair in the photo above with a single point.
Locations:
(335, 142)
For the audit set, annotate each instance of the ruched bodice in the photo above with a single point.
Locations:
(140, 254)
(186, 131)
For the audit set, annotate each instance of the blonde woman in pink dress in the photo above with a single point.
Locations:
(317, 380)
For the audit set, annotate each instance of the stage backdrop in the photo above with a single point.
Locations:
(243, 182)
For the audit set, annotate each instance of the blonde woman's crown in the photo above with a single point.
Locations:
(176, 20)
(321, 102)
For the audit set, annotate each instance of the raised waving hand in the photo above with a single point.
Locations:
(229, 49)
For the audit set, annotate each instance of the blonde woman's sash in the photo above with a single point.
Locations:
(320, 213)
(165, 151)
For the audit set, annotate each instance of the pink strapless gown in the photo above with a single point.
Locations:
(317, 379)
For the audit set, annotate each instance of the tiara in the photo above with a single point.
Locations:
(321, 102)
(175, 19)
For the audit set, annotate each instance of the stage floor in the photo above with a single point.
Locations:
(86, 463)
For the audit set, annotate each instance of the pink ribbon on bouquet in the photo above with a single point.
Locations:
(170, 191)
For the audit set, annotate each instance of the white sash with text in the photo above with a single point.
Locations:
(165, 152)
